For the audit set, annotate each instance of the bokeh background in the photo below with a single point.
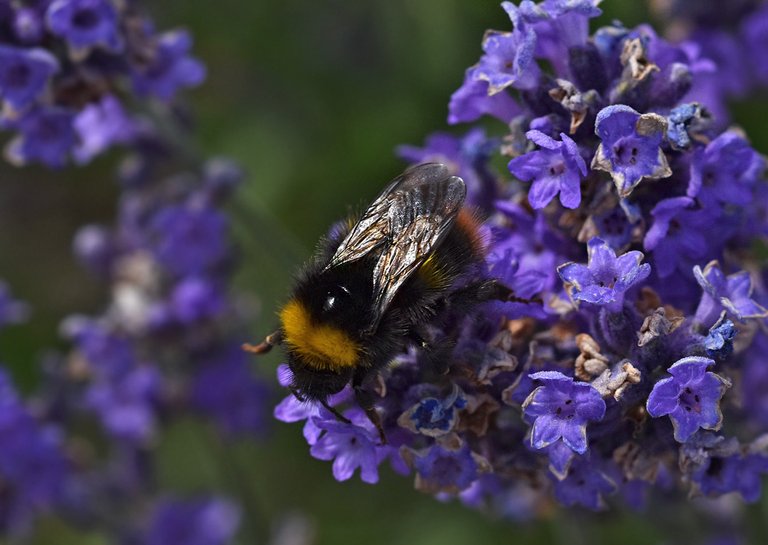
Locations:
(312, 99)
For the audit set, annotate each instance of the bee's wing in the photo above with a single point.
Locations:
(384, 218)
(421, 213)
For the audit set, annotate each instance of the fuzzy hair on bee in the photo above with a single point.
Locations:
(377, 284)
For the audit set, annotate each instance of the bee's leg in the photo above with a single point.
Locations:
(486, 290)
(297, 394)
(335, 413)
(436, 351)
(266, 345)
(365, 400)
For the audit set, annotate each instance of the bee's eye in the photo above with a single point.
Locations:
(335, 294)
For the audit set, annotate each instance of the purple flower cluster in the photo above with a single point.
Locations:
(167, 344)
(733, 35)
(69, 67)
(640, 357)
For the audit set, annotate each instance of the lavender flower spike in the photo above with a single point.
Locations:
(606, 278)
(691, 397)
(630, 150)
(557, 167)
(561, 409)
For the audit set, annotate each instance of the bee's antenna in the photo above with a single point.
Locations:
(266, 345)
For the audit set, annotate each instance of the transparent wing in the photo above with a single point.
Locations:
(419, 218)
(385, 217)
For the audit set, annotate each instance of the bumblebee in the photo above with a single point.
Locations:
(377, 284)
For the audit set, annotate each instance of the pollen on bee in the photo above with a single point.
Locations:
(320, 345)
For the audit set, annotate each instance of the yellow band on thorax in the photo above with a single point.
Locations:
(321, 345)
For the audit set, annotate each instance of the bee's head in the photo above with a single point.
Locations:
(321, 355)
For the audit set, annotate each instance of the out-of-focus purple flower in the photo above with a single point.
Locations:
(561, 409)
(47, 136)
(560, 458)
(755, 30)
(85, 24)
(28, 26)
(95, 248)
(726, 171)
(585, 485)
(24, 75)
(560, 28)
(101, 125)
(732, 293)
(105, 352)
(205, 521)
(630, 148)
(443, 469)
(226, 389)
(126, 403)
(350, 446)
(735, 473)
(678, 236)
(472, 100)
(606, 278)
(12, 311)
(691, 397)
(172, 68)
(556, 168)
(195, 299)
(508, 60)
(32, 465)
(189, 240)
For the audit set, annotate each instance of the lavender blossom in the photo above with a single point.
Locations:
(24, 75)
(350, 446)
(85, 24)
(606, 278)
(557, 168)
(561, 410)
(691, 397)
(630, 148)
(205, 521)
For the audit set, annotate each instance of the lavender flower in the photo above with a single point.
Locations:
(171, 69)
(24, 75)
(734, 473)
(732, 293)
(585, 485)
(447, 470)
(691, 397)
(558, 167)
(205, 521)
(46, 136)
(101, 125)
(85, 24)
(630, 148)
(606, 278)
(350, 446)
(561, 410)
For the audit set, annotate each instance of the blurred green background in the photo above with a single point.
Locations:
(311, 98)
